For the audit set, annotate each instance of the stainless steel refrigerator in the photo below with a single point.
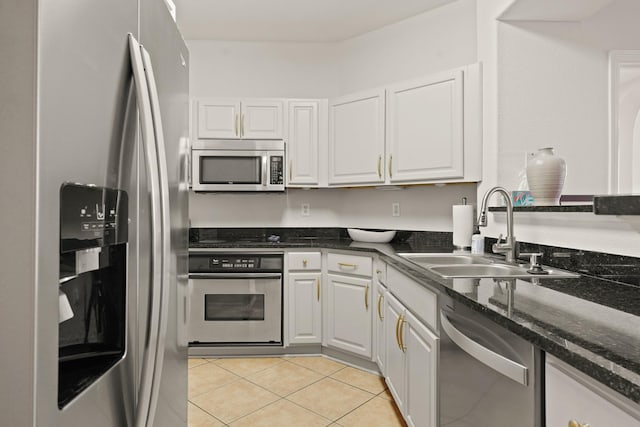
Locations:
(93, 216)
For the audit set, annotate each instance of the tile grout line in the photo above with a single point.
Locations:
(286, 397)
(208, 413)
(363, 403)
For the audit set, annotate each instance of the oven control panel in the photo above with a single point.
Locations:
(239, 262)
(216, 263)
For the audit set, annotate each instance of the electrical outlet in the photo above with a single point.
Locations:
(395, 209)
(306, 209)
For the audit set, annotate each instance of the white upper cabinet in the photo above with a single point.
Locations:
(306, 142)
(425, 128)
(356, 138)
(261, 119)
(218, 118)
(233, 118)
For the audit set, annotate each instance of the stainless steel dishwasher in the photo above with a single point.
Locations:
(489, 377)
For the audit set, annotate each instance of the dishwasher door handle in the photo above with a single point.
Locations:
(505, 366)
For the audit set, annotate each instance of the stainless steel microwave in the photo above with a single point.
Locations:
(238, 165)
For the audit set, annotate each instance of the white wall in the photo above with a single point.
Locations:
(440, 39)
(546, 85)
(254, 69)
(421, 208)
(553, 92)
(435, 40)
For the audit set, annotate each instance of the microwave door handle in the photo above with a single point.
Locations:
(165, 232)
(148, 142)
(264, 170)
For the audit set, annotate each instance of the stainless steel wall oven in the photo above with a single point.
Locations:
(236, 298)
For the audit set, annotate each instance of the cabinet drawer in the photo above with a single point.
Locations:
(571, 395)
(419, 300)
(350, 264)
(304, 261)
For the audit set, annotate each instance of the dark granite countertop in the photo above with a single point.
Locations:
(591, 323)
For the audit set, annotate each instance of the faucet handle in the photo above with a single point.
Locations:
(500, 238)
(534, 257)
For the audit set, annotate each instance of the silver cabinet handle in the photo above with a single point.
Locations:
(143, 410)
(507, 367)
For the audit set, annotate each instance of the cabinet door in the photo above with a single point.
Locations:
(572, 396)
(218, 118)
(303, 142)
(356, 139)
(305, 325)
(379, 328)
(394, 362)
(421, 368)
(425, 128)
(261, 119)
(349, 314)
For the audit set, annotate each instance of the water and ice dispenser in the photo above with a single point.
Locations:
(92, 287)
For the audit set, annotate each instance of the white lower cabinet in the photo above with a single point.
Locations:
(411, 364)
(421, 370)
(348, 314)
(304, 290)
(572, 399)
(379, 329)
(305, 314)
(394, 362)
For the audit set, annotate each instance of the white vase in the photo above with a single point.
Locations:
(545, 175)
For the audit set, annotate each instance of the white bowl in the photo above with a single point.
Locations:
(371, 236)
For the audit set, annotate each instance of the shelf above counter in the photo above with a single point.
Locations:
(602, 205)
(565, 208)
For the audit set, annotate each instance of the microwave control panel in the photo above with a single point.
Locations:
(276, 170)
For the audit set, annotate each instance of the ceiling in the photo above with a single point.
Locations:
(292, 20)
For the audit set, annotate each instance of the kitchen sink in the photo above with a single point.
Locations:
(453, 266)
(444, 259)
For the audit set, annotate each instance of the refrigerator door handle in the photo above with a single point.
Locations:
(165, 233)
(148, 141)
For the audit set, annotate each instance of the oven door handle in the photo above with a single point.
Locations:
(235, 275)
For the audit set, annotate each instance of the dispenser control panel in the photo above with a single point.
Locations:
(92, 216)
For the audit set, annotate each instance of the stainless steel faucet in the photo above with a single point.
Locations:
(508, 247)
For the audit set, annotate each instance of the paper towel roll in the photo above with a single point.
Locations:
(462, 225)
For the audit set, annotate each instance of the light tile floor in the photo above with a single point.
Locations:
(287, 391)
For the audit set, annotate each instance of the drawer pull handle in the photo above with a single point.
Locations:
(304, 262)
(402, 322)
(347, 265)
(379, 312)
(574, 423)
(397, 333)
(318, 288)
(366, 298)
